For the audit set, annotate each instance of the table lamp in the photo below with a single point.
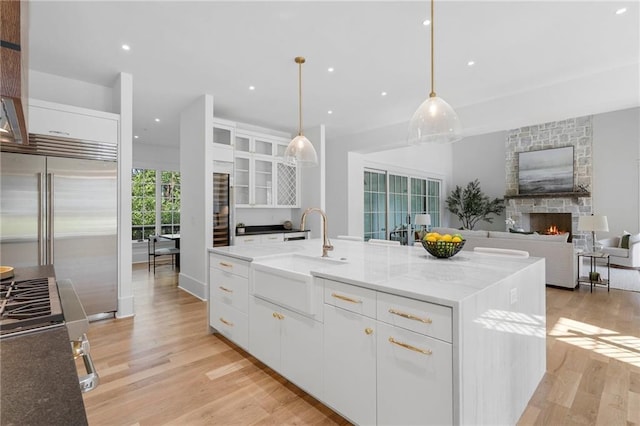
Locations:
(593, 223)
(423, 219)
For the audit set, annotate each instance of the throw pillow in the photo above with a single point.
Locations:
(624, 241)
(622, 238)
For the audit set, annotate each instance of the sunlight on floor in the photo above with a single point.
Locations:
(599, 340)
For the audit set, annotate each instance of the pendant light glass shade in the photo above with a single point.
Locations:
(300, 150)
(434, 121)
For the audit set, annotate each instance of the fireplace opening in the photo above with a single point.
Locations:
(551, 223)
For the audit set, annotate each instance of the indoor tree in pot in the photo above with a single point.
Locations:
(471, 205)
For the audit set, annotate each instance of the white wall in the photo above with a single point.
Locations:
(158, 157)
(54, 88)
(387, 147)
(123, 99)
(616, 170)
(480, 157)
(196, 210)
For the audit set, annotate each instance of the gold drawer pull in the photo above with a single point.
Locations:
(368, 330)
(278, 316)
(227, 265)
(345, 298)
(225, 289)
(411, 348)
(224, 321)
(409, 316)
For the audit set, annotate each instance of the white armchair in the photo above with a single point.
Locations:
(629, 258)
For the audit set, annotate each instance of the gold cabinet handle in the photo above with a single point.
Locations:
(345, 298)
(225, 264)
(408, 346)
(409, 316)
(368, 330)
(224, 321)
(278, 316)
(225, 289)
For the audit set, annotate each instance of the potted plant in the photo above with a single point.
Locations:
(239, 228)
(471, 205)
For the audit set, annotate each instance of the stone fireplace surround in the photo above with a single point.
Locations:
(576, 132)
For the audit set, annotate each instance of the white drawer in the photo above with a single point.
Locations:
(247, 239)
(349, 297)
(229, 288)
(230, 322)
(272, 238)
(229, 264)
(422, 317)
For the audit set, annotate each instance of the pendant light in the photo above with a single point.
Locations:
(300, 150)
(434, 120)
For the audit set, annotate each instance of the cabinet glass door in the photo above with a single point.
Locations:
(263, 183)
(263, 147)
(243, 144)
(242, 181)
(222, 135)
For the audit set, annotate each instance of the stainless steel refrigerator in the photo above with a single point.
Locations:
(63, 211)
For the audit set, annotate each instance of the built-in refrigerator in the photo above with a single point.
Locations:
(63, 211)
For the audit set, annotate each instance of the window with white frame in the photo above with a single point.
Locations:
(155, 203)
(391, 201)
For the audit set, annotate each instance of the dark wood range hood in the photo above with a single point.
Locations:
(13, 55)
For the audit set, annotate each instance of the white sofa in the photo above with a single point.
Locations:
(629, 258)
(560, 256)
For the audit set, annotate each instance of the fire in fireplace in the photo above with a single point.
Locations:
(551, 223)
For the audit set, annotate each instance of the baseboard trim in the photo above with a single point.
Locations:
(125, 307)
(192, 286)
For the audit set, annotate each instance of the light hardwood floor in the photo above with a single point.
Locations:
(163, 368)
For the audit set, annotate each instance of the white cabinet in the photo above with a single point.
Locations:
(262, 179)
(288, 342)
(259, 239)
(229, 298)
(51, 119)
(349, 364)
(381, 363)
(414, 378)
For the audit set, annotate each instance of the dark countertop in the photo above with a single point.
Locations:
(40, 384)
(267, 229)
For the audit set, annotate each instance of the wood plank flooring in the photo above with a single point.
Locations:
(163, 368)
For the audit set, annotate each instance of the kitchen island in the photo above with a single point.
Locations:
(39, 377)
(388, 335)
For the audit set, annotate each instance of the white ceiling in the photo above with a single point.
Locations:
(180, 50)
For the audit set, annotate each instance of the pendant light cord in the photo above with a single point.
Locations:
(300, 98)
(300, 60)
(433, 92)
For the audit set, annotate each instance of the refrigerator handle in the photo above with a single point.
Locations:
(50, 218)
(41, 203)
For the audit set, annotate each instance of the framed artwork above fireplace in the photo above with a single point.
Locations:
(545, 171)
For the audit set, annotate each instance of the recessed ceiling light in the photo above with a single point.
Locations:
(135, 136)
(471, 63)
(329, 112)
(157, 120)
(383, 94)
(426, 22)
(621, 11)
(252, 87)
(330, 69)
(126, 47)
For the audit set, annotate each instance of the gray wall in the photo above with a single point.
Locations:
(616, 167)
(481, 157)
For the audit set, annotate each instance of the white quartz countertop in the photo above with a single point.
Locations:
(405, 271)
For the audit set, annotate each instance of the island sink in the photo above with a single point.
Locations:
(287, 280)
